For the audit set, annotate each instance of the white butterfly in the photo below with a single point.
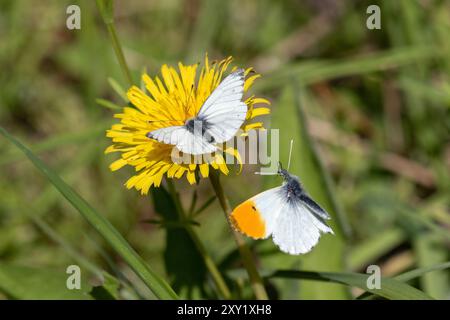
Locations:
(294, 220)
(218, 120)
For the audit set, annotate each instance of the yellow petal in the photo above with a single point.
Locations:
(259, 112)
(235, 153)
(191, 177)
(180, 172)
(251, 126)
(249, 81)
(116, 165)
(204, 170)
(167, 77)
(260, 100)
(221, 163)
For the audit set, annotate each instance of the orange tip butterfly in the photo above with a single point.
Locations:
(287, 212)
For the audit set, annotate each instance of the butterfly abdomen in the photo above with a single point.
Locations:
(199, 127)
(293, 189)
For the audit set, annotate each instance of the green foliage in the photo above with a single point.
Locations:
(368, 111)
(109, 290)
(19, 282)
(182, 260)
(389, 288)
(102, 225)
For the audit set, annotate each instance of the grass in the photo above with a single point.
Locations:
(368, 112)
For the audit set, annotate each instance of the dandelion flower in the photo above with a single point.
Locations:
(171, 101)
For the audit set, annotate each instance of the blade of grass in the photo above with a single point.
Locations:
(316, 71)
(59, 140)
(430, 249)
(107, 104)
(155, 283)
(71, 251)
(106, 8)
(406, 276)
(49, 197)
(390, 288)
(118, 89)
(410, 275)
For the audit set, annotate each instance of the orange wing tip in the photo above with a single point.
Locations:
(247, 219)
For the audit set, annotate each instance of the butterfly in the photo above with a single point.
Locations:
(217, 121)
(287, 212)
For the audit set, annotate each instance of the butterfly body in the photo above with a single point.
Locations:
(287, 212)
(199, 128)
(291, 186)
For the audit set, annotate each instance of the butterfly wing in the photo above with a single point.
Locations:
(313, 206)
(257, 217)
(298, 228)
(183, 139)
(223, 111)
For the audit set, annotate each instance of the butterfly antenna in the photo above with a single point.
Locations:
(290, 154)
(263, 173)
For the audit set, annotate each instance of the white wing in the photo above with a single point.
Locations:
(183, 139)
(223, 111)
(271, 204)
(257, 216)
(297, 229)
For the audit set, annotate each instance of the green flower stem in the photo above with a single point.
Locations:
(246, 255)
(106, 9)
(212, 268)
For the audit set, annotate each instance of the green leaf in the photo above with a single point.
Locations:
(108, 104)
(155, 283)
(390, 288)
(19, 282)
(191, 272)
(421, 271)
(410, 275)
(305, 163)
(109, 290)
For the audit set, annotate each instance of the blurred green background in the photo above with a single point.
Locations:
(375, 107)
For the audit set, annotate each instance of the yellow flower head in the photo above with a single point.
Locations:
(171, 102)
